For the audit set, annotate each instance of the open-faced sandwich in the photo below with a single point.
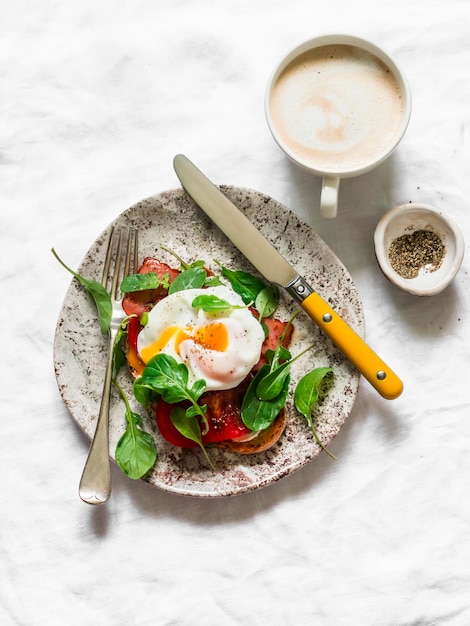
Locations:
(224, 338)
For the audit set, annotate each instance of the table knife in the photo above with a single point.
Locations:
(276, 269)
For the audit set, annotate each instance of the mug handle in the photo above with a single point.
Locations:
(329, 196)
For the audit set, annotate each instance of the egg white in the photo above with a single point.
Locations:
(220, 348)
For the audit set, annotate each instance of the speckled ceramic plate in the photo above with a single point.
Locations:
(173, 219)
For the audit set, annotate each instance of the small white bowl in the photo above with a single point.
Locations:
(409, 218)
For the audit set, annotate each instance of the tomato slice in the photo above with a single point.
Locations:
(223, 414)
(139, 302)
(133, 330)
(166, 428)
(275, 330)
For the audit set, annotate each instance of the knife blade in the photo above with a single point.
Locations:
(276, 269)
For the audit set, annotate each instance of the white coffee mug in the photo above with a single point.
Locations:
(337, 105)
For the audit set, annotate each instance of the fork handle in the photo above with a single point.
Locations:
(95, 483)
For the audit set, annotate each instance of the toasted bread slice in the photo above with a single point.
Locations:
(262, 442)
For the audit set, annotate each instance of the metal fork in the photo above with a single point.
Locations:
(95, 483)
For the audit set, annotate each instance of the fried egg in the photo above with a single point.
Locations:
(220, 348)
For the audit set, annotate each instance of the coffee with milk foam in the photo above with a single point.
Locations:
(337, 107)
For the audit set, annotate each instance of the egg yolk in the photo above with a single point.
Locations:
(210, 337)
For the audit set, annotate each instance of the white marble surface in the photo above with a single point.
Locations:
(96, 99)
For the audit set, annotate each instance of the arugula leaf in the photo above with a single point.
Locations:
(141, 282)
(168, 378)
(308, 389)
(142, 392)
(275, 356)
(192, 278)
(214, 304)
(213, 281)
(272, 383)
(210, 281)
(98, 292)
(136, 452)
(189, 427)
(183, 264)
(119, 356)
(198, 388)
(306, 395)
(259, 414)
(267, 300)
(246, 285)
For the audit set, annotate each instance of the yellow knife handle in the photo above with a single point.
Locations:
(380, 376)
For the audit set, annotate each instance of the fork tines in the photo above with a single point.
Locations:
(117, 240)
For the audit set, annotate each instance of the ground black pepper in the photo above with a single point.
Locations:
(420, 250)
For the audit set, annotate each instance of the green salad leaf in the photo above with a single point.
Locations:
(183, 264)
(168, 378)
(213, 304)
(142, 393)
(210, 281)
(119, 355)
(273, 382)
(306, 395)
(141, 282)
(192, 278)
(136, 452)
(271, 385)
(267, 300)
(246, 285)
(188, 426)
(97, 291)
(258, 414)
(213, 281)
